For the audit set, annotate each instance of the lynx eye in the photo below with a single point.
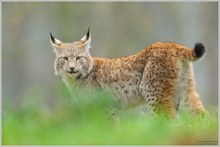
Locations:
(65, 58)
(79, 57)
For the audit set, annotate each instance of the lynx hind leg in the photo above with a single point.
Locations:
(193, 99)
(157, 87)
(195, 103)
(161, 106)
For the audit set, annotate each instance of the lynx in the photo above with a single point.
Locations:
(160, 76)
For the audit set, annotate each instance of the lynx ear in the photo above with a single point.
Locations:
(86, 40)
(55, 43)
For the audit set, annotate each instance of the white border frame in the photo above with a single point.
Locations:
(1, 106)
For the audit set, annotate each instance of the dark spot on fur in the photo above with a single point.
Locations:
(148, 100)
(152, 99)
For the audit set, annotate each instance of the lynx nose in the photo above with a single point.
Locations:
(72, 68)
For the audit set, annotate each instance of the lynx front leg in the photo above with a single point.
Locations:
(113, 115)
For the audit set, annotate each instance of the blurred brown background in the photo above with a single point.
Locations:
(118, 29)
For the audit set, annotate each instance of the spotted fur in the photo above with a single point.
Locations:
(161, 75)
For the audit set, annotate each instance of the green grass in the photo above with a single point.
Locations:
(84, 122)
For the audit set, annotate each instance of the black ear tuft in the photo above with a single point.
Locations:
(88, 33)
(52, 38)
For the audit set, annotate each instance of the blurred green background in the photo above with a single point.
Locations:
(118, 29)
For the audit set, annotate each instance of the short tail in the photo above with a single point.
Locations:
(199, 50)
(194, 54)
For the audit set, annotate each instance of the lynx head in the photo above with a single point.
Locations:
(72, 59)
